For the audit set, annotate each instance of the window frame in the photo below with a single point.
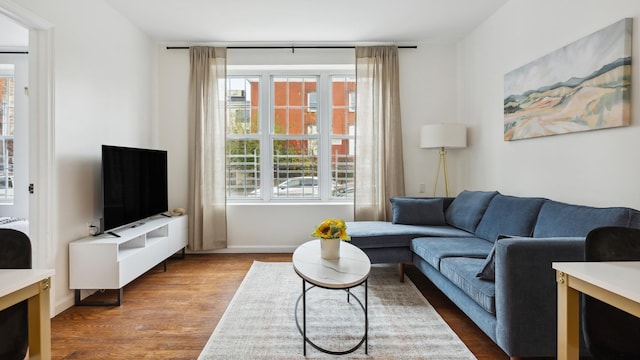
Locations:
(266, 137)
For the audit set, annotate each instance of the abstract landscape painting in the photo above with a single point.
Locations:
(583, 86)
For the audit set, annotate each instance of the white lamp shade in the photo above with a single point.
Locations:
(447, 135)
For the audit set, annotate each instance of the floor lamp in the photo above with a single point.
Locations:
(443, 136)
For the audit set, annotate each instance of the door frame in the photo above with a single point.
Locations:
(18, 204)
(42, 228)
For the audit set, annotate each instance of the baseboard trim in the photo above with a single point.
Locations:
(248, 250)
(63, 305)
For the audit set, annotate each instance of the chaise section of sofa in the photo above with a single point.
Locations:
(491, 254)
(388, 242)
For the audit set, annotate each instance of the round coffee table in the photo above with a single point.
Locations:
(350, 270)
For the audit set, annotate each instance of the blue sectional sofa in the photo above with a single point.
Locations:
(491, 254)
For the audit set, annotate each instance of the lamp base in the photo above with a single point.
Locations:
(442, 162)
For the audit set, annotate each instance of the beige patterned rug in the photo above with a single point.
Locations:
(260, 321)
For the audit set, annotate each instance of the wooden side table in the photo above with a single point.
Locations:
(34, 285)
(613, 282)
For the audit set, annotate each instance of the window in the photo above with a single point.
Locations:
(303, 122)
(7, 92)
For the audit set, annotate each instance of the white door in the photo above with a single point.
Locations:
(14, 135)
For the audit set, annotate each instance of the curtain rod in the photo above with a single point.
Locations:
(14, 52)
(288, 47)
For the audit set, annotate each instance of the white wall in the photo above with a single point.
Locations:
(12, 35)
(173, 95)
(596, 168)
(103, 95)
(428, 95)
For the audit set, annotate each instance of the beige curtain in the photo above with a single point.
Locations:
(207, 200)
(379, 164)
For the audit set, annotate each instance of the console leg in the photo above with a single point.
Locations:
(182, 254)
(401, 270)
(79, 302)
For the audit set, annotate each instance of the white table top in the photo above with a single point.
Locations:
(12, 280)
(351, 269)
(619, 277)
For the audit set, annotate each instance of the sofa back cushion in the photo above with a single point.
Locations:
(560, 219)
(467, 209)
(509, 215)
(418, 211)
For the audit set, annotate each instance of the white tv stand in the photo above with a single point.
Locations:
(110, 262)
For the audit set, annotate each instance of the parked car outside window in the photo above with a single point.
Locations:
(302, 186)
(298, 186)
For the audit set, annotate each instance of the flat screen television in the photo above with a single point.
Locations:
(134, 185)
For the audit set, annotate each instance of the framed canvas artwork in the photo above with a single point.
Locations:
(583, 86)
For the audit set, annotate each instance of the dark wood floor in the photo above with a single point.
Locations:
(171, 315)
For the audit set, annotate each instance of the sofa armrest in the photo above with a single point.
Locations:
(526, 292)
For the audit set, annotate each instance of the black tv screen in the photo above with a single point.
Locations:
(134, 185)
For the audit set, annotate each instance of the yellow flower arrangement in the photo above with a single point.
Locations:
(332, 229)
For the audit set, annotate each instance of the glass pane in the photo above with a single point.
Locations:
(295, 105)
(243, 168)
(342, 106)
(311, 124)
(294, 122)
(342, 168)
(280, 91)
(7, 120)
(295, 91)
(312, 101)
(295, 168)
(311, 93)
(343, 119)
(243, 94)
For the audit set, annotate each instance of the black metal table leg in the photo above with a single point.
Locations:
(304, 318)
(303, 329)
(366, 316)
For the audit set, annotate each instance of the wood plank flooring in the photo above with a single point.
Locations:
(171, 315)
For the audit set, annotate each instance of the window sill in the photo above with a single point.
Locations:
(288, 203)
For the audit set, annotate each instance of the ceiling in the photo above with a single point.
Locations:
(307, 21)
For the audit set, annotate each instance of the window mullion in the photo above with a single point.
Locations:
(266, 146)
(324, 127)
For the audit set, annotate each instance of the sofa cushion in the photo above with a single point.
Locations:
(467, 209)
(433, 250)
(462, 272)
(381, 234)
(509, 215)
(560, 219)
(413, 211)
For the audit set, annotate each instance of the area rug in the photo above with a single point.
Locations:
(260, 321)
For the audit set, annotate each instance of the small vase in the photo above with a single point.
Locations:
(330, 249)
